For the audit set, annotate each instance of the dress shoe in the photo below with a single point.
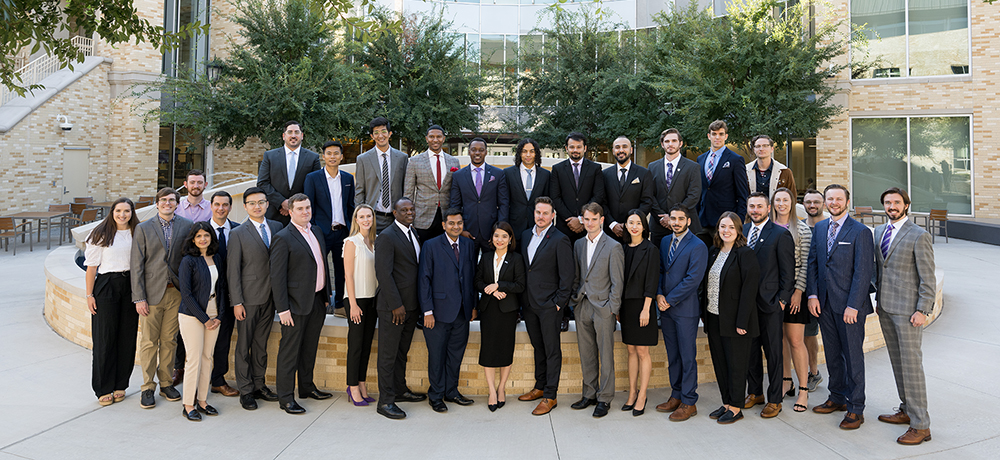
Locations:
(460, 400)
(531, 395)
(583, 403)
(340, 313)
(544, 406)
(266, 394)
(147, 400)
(564, 325)
(409, 396)
(913, 437)
(170, 393)
(899, 418)
(602, 409)
(717, 413)
(293, 408)
(207, 410)
(391, 410)
(852, 421)
(684, 412)
(177, 377)
(438, 405)
(248, 402)
(500, 404)
(193, 415)
(829, 407)
(671, 405)
(492, 407)
(360, 402)
(316, 394)
(771, 410)
(753, 400)
(225, 390)
(627, 407)
(729, 417)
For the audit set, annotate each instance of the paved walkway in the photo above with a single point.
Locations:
(49, 411)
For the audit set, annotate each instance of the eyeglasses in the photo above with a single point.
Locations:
(256, 203)
(167, 200)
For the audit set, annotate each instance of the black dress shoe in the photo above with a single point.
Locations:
(627, 407)
(193, 416)
(207, 410)
(460, 400)
(248, 402)
(316, 394)
(266, 394)
(170, 393)
(293, 408)
(564, 325)
(583, 403)
(729, 417)
(602, 409)
(391, 411)
(500, 404)
(410, 396)
(147, 400)
(717, 413)
(438, 405)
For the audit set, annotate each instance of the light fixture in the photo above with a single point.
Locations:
(66, 126)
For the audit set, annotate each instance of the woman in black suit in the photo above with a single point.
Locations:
(499, 277)
(642, 269)
(729, 311)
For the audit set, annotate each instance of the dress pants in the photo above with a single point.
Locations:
(251, 346)
(113, 329)
(845, 359)
(543, 330)
(435, 228)
(335, 247)
(445, 348)
(729, 358)
(359, 340)
(159, 341)
(297, 351)
(770, 340)
(382, 221)
(902, 340)
(220, 357)
(393, 345)
(595, 335)
(679, 338)
(200, 344)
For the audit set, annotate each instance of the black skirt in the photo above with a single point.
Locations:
(632, 333)
(497, 330)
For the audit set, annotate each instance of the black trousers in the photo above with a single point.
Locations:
(434, 230)
(729, 357)
(335, 247)
(114, 330)
(297, 351)
(446, 344)
(359, 341)
(220, 360)
(543, 330)
(251, 347)
(770, 340)
(393, 345)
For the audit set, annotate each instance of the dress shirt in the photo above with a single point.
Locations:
(895, 231)
(666, 161)
(434, 159)
(592, 245)
(497, 264)
(214, 272)
(168, 231)
(291, 155)
(536, 239)
(201, 212)
(317, 255)
(717, 154)
(265, 233)
(524, 178)
(336, 199)
(226, 228)
(409, 233)
(113, 258)
(760, 230)
(383, 157)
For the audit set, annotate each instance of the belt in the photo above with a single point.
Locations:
(336, 227)
(169, 284)
(380, 213)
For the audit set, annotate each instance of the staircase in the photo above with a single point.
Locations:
(36, 70)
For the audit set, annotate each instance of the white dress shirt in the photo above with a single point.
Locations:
(113, 258)
(383, 157)
(434, 172)
(666, 161)
(592, 246)
(336, 199)
(895, 231)
(524, 178)
(407, 231)
(536, 238)
(265, 234)
(226, 228)
(292, 157)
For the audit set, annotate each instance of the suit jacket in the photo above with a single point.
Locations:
(522, 208)
(440, 273)
(480, 211)
(369, 175)
(642, 275)
(549, 275)
(637, 194)
(601, 281)
(248, 269)
(152, 266)
(685, 189)
(396, 270)
(511, 281)
(681, 278)
(318, 191)
(843, 277)
(273, 176)
(737, 292)
(781, 176)
(727, 191)
(293, 270)
(568, 198)
(421, 187)
(196, 286)
(906, 279)
(775, 251)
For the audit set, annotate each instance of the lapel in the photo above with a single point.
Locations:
(297, 236)
(283, 165)
(846, 228)
(504, 266)
(765, 233)
(159, 232)
(541, 244)
(903, 230)
(680, 247)
(633, 172)
(406, 241)
(300, 167)
(640, 253)
(726, 266)
(601, 242)
(673, 180)
(446, 242)
(255, 234)
(324, 188)
(520, 183)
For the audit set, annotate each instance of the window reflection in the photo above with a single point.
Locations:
(878, 151)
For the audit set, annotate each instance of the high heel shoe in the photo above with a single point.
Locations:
(800, 407)
(791, 389)
(501, 403)
(638, 412)
(627, 407)
(356, 403)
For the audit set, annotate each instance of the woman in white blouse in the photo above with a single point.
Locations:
(113, 318)
(360, 283)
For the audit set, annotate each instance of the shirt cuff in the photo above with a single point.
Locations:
(428, 313)
(814, 297)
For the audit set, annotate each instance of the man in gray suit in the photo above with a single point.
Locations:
(597, 290)
(283, 171)
(156, 255)
(904, 268)
(248, 271)
(677, 180)
(379, 173)
(428, 184)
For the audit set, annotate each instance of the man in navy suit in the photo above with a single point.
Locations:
(283, 171)
(841, 265)
(222, 204)
(724, 185)
(479, 191)
(683, 260)
(332, 193)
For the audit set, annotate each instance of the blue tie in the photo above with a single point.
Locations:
(263, 233)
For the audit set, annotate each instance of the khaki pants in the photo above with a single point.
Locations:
(159, 341)
(199, 344)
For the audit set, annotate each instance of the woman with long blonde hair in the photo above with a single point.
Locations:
(360, 284)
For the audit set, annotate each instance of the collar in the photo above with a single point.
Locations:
(401, 227)
(201, 204)
(474, 167)
(431, 153)
(296, 151)
(716, 152)
(255, 223)
(328, 176)
(523, 168)
(760, 228)
(164, 221)
(899, 224)
(756, 165)
(453, 241)
(596, 238)
(535, 232)
(302, 229)
(840, 222)
(224, 225)
(627, 166)
(381, 152)
(571, 162)
(682, 235)
(677, 159)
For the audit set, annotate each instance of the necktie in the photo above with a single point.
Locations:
(753, 237)
(385, 181)
(438, 170)
(576, 173)
(529, 185)
(263, 234)
(409, 233)
(886, 238)
(670, 174)
(455, 247)
(830, 238)
(222, 242)
(711, 166)
(673, 248)
(621, 182)
(292, 160)
(479, 182)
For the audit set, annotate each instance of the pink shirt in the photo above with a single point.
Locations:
(201, 212)
(317, 256)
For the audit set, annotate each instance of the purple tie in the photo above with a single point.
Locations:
(886, 238)
(479, 182)
(576, 173)
(455, 247)
(670, 174)
(832, 237)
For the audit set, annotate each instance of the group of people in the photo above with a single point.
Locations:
(419, 242)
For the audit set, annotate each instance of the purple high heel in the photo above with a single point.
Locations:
(356, 403)
(369, 399)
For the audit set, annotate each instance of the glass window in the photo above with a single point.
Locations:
(491, 62)
(878, 151)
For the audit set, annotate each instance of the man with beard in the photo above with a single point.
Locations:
(812, 203)
(677, 180)
(627, 186)
(196, 209)
(283, 171)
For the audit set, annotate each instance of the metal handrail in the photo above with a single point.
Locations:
(36, 70)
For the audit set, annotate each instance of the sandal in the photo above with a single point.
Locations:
(106, 400)
(791, 389)
(119, 395)
(801, 407)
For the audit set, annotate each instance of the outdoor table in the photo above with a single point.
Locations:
(104, 206)
(39, 217)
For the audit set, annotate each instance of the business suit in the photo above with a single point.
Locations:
(521, 213)
(680, 279)
(685, 189)
(481, 211)
(637, 194)
(198, 306)
(428, 199)
(368, 171)
(293, 284)
(727, 191)
(154, 279)
(569, 198)
(841, 278)
(906, 284)
(396, 270)
(597, 291)
(318, 190)
(775, 252)
(272, 176)
(249, 275)
(220, 365)
(498, 317)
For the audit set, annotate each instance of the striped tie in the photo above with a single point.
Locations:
(673, 248)
(753, 237)
(886, 238)
(385, 181)
(830, 238)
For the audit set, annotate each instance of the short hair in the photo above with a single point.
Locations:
(379, 121)
(680, 207)
(594, 208)
(622, 137)
(762, 136)
(507, 229)
(478, 139)
(297, 198)
(642, 218)
(433, 127)
(847, 193)
(223, 194)
(812, 191)
(293, 122)
(400, 200)
(333, 144)
(252, 191)
(543, 200)
(576, 136)
(759, 194)
(455, 211)
(717, 125)
(663, 135)
(520, 148)
(897, 191)
(191, 249)
(741, 240)
(167, 191)
(195, 172)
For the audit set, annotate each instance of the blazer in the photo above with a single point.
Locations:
(549, 275)
(480, 211)
(445, 284)
(737, 292)
(601, 281)
(685, 189)
(152, 265)
(293, 270)
(511, 281)
(272, 176)
(906, 279)
(775, 251)
(781, 176)
(568, 198)
(642, 275)
(727, 191)
(396, 270)
(842, 278)
(196, 286)
(522, 208)
(369, 174)
(248, 270)
(318, 191)
(681, 278)
(420, 186)
(637, 194)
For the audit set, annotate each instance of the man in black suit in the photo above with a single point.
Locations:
(397, 255)
(299, 275)
(775, 251)
(283, 171)
(480, 192)
(627, 186)
(575, 182)
(222, 204)
(526, 181)
(331, 191)
(724, 185)
(677, 181)
(548, 257)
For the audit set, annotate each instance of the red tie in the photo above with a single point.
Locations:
(439, 170)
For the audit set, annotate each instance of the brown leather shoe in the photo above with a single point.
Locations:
(852, 421)
(914, 437)
(899, 418)
(531, 395)
(671, 405)
(178, 376)
(683, 412)
(753, 400)
(226, 390)
(544, 406)
(829, 407)
(771, 410)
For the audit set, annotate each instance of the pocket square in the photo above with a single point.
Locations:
(635, 181)
(725, 165)
(844, 242)
(492, 178)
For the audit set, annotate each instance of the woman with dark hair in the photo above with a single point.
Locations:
(642, 269)
(113, 318)
(361, 285)
(729, 311)
(203, 292)
(499, 277)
